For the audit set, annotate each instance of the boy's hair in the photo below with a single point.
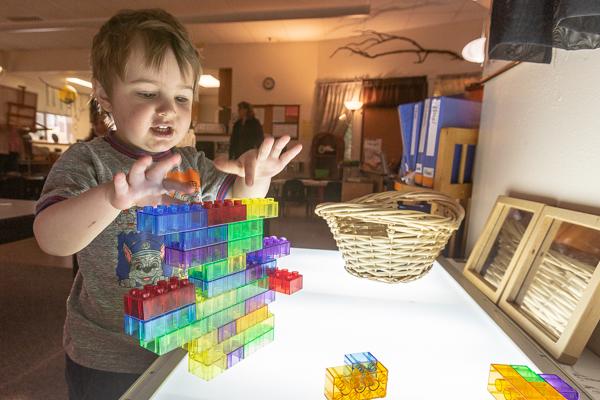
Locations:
(156, 29)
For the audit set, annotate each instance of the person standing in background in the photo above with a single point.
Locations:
(247, 132)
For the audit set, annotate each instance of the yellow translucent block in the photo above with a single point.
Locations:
(251, 319)
(202, 343)
(547, 391)
(206, 372)
(345, 383)
(220, 350)
(261, 208)
(504, 383)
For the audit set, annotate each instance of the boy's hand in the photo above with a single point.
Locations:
(263, 163)
(146, 184)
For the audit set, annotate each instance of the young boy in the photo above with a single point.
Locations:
(145, 71)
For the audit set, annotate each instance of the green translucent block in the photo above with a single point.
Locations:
(206, 306)
(225, 316)
(163, 344)
(246, 245)
(527, 373)
(218, 352)
(259, 342)
(218, 269)
(244, 229)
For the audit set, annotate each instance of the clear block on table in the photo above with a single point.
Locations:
(218, 269)
(206, 306)
(195, 257)
(160, 325)
(163, 219)
(197, 238)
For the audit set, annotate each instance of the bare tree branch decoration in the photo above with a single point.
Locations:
(377, 38)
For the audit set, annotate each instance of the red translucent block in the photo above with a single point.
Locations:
(154, 300)
(239, 211)
(284, 281)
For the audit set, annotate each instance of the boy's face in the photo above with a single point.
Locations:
(151, 108)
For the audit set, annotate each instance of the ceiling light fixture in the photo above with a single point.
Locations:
(474, 51)
(79, 82)
(209, 81)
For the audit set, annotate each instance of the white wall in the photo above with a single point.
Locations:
(540, 136)
(292, 65)
(78, 110)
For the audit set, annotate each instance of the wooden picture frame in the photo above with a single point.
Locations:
(554, 292)
(498, 249)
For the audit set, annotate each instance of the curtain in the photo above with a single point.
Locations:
(527, 30)
(330, 103)
(393, 91)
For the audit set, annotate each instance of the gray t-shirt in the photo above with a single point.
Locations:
(119, 257)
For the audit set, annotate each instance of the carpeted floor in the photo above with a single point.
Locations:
(32, 313)
(33, 291)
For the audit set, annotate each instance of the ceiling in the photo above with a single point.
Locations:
(69, 24)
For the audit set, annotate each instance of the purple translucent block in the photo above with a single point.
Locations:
(273, 247)
(202, 255)
(227, 331)
(254, 272)
(256, 302)
(561, 386)
(235, 357)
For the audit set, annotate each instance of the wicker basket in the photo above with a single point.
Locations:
(380, 242)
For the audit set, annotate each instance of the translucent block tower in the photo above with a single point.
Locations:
(215, 304)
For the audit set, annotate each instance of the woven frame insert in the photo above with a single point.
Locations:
(382, 243)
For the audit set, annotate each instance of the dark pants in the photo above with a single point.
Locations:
(91, 384)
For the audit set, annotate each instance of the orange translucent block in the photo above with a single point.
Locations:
(544, 388)
(345, 383)
(505, 383)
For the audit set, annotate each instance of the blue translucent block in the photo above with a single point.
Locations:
(270, 266)
(161, 325)
(195, 257)
(229, 282)
(162, 219)
(197, 238)
(256, 302)
(363, 362)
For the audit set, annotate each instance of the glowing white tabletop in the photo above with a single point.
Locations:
(436, 342)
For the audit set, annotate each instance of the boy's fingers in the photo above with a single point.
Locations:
(138, 169)
(279, 146)
(265, 148)
(290, 154)
(229, 166)
(249, 169)
(120, 183)
(160, 169)
(166, 199)
(181, 187)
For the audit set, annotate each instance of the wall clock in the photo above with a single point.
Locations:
(268, 83)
